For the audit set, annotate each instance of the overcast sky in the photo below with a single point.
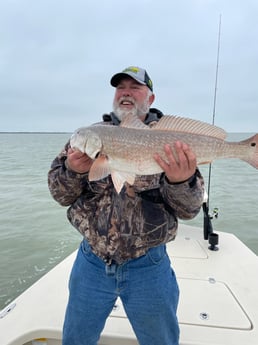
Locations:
(57, 58)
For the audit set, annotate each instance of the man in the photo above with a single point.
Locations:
(123, 252)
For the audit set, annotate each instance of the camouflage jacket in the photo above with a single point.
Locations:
(123, 226)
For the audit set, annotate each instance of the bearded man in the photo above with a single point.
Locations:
(123, 251)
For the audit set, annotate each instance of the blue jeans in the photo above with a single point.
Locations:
(147, 287)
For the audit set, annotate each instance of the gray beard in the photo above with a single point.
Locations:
(143, 109)
(121, 113)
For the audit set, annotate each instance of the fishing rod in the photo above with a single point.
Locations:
(207, 224)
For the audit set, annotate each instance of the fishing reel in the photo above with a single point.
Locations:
(215, 213)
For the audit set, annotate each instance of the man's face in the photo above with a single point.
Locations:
(132, 97)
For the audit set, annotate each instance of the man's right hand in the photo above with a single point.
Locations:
(78, 162)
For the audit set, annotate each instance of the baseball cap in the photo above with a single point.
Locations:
(137, 73)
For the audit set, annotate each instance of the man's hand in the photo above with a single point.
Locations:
(180, 164)
(78, 162)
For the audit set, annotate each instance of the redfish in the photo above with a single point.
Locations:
(127, 150)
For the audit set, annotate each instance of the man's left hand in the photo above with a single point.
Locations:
(180, 164)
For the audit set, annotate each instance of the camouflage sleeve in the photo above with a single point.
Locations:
(65, 185)
(185, 198)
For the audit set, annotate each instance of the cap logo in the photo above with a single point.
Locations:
(131, 69)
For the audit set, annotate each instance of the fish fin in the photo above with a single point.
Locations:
(183, 124)
(120, 177)
(99, 169)
(133, 121)
(252, 142)
(204, 162)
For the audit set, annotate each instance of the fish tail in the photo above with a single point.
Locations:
(252, 142)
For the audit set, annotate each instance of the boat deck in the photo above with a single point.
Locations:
(218, 298)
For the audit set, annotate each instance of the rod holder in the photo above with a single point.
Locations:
(213, 241)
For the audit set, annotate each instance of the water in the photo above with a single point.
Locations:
(35, 234)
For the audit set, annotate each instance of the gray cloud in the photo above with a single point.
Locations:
(57, 57)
